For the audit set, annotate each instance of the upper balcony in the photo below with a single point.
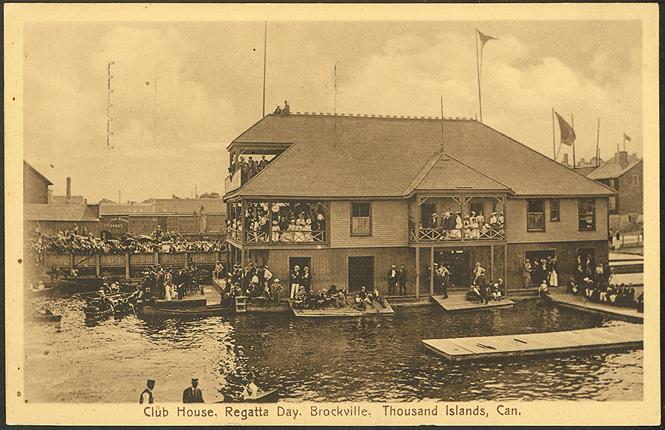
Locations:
(278, 223)
(457, 219)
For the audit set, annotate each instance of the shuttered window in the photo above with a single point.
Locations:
(361, 219)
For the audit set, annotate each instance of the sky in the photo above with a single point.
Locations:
(209, 89)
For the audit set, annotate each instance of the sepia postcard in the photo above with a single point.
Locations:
(318, 214)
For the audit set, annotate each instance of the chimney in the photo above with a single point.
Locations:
(69, 189)
(622, 158)
(565, 160)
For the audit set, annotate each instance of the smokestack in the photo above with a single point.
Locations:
(622, 158)
(565, 160)
(69, 189)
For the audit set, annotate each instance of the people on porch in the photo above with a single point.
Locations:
(401, 280)
(393, 278)
(479, 280)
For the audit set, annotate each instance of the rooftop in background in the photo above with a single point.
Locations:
(37, 172)
(58, 212)
(76, 200)
(614, 168)
(381, 156)
(185, 206)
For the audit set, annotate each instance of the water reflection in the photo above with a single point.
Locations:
(380, 359)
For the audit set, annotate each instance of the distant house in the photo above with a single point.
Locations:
(35, 185)
(625, 176)
(189, 217)
(51, 218)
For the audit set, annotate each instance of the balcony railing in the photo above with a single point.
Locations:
(279, 237)
(232, 182)
(420, 233)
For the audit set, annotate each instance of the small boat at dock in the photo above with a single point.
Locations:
(269, 396)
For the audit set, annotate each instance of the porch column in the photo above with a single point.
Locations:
(417, 273)
(242, 258)
(126, 265)
(505, 266)
(431, 272)
(242, 222)
(492, 262)
(98, 269)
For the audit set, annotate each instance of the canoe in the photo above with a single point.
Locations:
(46, 290)
(98, 315)
(79, 284)
(199, 311)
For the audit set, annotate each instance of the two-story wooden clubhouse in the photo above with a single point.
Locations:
(350, 195)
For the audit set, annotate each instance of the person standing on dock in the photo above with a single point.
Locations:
(193, 394)
(296, 278)
(401, 280)
(393, 276)
(146, 395)
(479, 279)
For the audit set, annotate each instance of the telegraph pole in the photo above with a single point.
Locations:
(154, 113)
(109, 76)
(265, 46)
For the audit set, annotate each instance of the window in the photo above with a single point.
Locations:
(535, 220)
(587, 214)
(361, 219)
(555, 212)
(636, 181)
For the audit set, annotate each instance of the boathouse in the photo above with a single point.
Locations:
(350, 195)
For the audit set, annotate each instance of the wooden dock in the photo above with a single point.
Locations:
(457, 301)
(346, 312)
(564, 299)
(627, 336)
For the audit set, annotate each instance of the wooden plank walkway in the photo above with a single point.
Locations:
(347, 312)
(457, 301)
(564, 299)
(488, 347)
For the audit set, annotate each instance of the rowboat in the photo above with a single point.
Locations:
(269, 396)
(79, 284)
(43, 314)
(382, 309)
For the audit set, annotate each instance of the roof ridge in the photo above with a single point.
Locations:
(376, 116)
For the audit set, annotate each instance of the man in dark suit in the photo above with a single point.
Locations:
(393, 276)
(193, 394)
(401, 280)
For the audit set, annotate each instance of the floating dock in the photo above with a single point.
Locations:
(457, 301)
(566, 300)
(627, 336)
(346, 312)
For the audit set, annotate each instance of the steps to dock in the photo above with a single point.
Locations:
(241, 304)
(487, 347)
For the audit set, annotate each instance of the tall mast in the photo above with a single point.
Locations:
(442, 142)
(109, 133)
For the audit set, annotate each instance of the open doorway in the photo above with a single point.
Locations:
(301, 262)
(539, 271)
(361, 273)
(458, 262)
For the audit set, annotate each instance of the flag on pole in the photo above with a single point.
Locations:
(626, 137)
(567, 132)
(484, 38)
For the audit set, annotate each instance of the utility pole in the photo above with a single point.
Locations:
(109, 133)
(154, 114)
(572, 124)
(442, 141)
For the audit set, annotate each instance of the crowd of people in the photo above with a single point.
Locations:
(602, 287)
(537, 271)
(481, 290)
(247, 168)
(169, 283)
(284, 222)
(452, 225)
(254, 281)
(73, 242)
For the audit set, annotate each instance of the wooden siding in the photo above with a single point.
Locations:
(389, 225)
(35, 188)
(564, 230)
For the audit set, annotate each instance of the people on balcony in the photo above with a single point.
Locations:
(248, 169)
(452, 226)
(285, 222)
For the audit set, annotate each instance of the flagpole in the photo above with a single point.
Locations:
(572, 124)
(442, 141)
(624, 141)
(598, 144)
(480, 100)
(553, 138)
(265, 44)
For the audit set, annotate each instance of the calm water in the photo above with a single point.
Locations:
(321, 360)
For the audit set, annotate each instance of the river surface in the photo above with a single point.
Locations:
(369, 358)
